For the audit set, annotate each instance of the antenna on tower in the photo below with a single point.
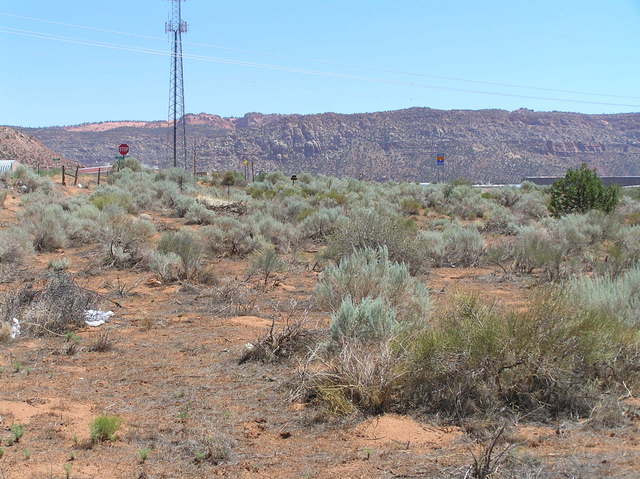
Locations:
(175, 27)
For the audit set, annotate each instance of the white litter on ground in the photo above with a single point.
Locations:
(96, 318)
(15, 328)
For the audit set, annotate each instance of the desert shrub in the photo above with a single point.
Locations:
(629, 207)
(318, 225)
(528, 186)
(182, 204)
(3, 197)
(229, 236)
(372, 319)
(366, 229)
(370, 273)
(124, 239)
(198, 214)
(15, 245)
(534, 248)
(622, 252)
(410, 206)
(165, 192)
(616, 297)
(532, 205)
(277, 233)
(290, 209)
(582, 190)
(59, 264)
(548, 361)
(266, 262)
(506, 197)
(455, 245)
(500, 220)
(57, 309)
(5, 333)
(104, 428)
(580, 231)
(128, 162)
(166, 265)
(82, 224)
(187, 247)
(181, 177)
(140, 185)
(46, 224)
(558, 247)
(109, 195)
(464, 201)
(28, 181)
(435, 196)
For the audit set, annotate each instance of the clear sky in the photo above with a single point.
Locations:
(344, 56)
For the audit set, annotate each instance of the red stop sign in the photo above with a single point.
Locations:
(123, 149)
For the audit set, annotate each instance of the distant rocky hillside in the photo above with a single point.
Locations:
(16, 145)
(485, 145)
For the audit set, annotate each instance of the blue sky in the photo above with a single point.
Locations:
(311, 57)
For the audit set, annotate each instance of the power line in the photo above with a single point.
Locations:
(395, 72)
(273, 67)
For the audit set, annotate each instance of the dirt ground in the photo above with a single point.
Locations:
(173, 377)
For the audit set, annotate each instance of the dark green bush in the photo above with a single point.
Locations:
(582, 190)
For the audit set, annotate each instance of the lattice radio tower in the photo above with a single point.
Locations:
(175, 27)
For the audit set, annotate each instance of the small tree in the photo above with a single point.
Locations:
(582, 190)
(229, 179)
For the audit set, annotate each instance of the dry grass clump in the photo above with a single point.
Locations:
(208, 449)
(289, 337)
(3, 197)
(57, 309)
(103, 343)
(359, 377)
(233, 298)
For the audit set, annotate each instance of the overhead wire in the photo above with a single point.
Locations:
(384, 70)
(274, 67)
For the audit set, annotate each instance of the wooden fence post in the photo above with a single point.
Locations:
(63, 182)
(98, 176)
(75, 180)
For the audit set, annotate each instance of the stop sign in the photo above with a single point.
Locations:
(123, 149)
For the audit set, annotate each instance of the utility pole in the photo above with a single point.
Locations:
(195, 154)
(175, 27)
